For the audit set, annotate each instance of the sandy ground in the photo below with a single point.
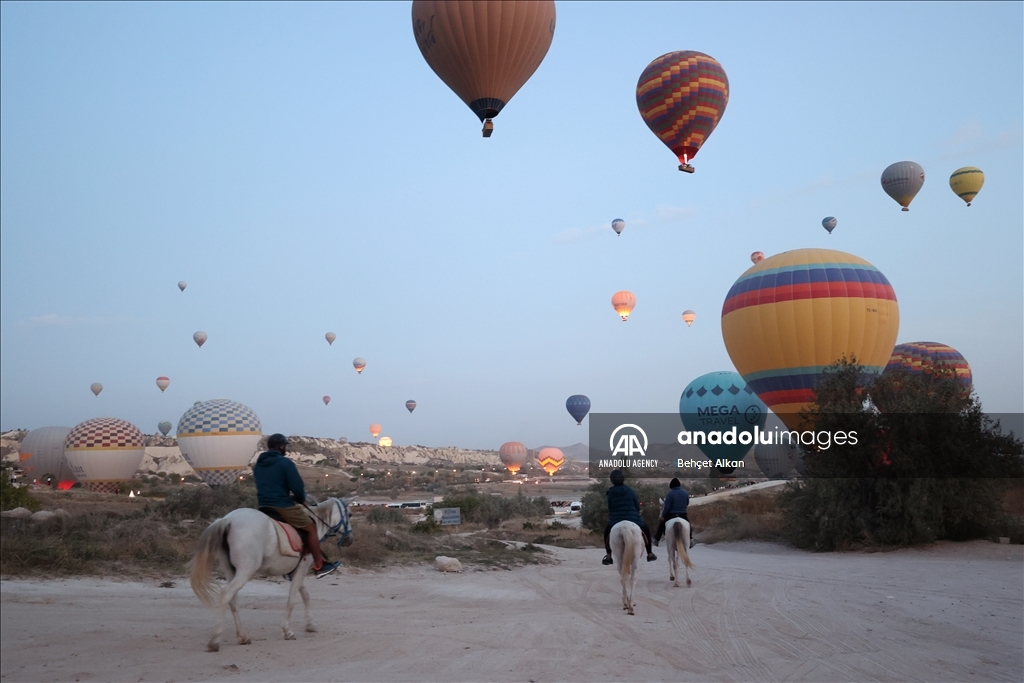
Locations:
(756, 612)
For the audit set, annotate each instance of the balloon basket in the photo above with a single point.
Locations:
(488, 128)
(686, 168)
(905, 208)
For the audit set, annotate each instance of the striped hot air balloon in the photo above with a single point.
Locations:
(550, 460)
(689, 317)
(163, 382)
(410, 405)
(926, 357)
(795, 313)
(104, 452)
(513, 455)
(681, 97)
(966, 182)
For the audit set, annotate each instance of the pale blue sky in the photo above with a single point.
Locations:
(303, 169)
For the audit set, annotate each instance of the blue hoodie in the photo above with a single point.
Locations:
(277, 476)
(676, 502)
(623, 505)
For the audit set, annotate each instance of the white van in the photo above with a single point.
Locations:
(575, 506)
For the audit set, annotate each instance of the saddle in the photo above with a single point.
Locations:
(289, 540)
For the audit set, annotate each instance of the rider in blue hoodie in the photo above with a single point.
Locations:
(676, 503)
(278, 486)
(624, 506)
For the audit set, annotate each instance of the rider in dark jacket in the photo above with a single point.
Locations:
(278, 485)
(624, 506)
(676, 503)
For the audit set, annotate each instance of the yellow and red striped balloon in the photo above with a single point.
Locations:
(925, 357)
(550, 459)
(793, 314)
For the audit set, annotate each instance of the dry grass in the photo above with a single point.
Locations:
(754, 516)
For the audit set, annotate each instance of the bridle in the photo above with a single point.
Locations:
(342, 529)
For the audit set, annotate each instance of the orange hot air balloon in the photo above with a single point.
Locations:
(163, 383)
(513, 455)
(550, 460)
(484, 51)
(374, 430)
(689, 317)
(623, 302)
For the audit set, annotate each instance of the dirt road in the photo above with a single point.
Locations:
(756, 612)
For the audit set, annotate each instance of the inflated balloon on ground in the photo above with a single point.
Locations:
(795, 313)
(219, 438)
(513, 455)
(41, 453)
(385, 441)
(550, 459)
(104, 452)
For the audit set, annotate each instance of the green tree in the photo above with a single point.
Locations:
(927, 463)
(12, 496)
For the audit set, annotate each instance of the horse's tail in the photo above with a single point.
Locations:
(201, 567)
(681, 543)
(626, 563)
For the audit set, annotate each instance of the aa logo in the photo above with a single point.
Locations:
(628, 442)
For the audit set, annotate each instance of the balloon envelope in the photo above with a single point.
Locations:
(966, 182)
(926, 357)
(182, 285)
(829, 223)
(330, 337)
(513, 455)
(218, 438)
(578, 406)
(163, 383)
(757, 257)
(104, 452)
(384, 441)
(199, 338)
(689, 317)
(721, 402)
(483, 51)
(359, 364)
(902, 181)
(96, 388)
(343, 440)
(327, 399)
(164, 427)
(41, 452)
(410, 405)
(618, 225)
(776, 460)
(623, 303)
(374, 430)
(681, 97)
(795, 313)
(550, 459)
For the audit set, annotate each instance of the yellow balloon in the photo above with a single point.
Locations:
(793, 314)
(966, 182)
(385, 441)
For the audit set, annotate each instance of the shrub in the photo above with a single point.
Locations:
(389, 516)
(12, 496)
(202, 502)
(493, 510)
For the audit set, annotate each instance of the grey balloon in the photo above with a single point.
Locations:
(618, 225)
(902, 181)
(182, 285)
(164, 427)
(43, 453)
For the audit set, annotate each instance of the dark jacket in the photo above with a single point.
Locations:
(623, 505)
(676, 502)
(276, 476)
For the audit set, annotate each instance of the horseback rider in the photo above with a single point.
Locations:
(278, 486)
(676, 503)
(624, 506)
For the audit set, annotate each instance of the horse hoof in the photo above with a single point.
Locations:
(310, 628)
(671, 578)
(630, 613)
(213, 647)
(289, 636)
(688, 582)
(244, 640)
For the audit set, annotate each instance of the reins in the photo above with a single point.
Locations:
(333, 529)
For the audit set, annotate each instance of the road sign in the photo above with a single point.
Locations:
(445, 516)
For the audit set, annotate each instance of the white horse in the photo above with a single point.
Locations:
(245, 542)
(677, 534)
(627, 542)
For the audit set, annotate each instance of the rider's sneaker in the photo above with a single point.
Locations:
(693, 542)
(607, 559)
(651, 557)
(326, 569)
(657, 542)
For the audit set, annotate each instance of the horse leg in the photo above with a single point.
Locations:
(297, 578)
(305, 603)
(228, 598)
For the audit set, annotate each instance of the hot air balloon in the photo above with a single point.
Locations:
(359, 364)
(374, 430)
(550, 460)
(343, 440)
(218, 438)
(410, 405)
(163, 383)
(578, 406)
(96, 388)
(776, 460)
(902, 181)
(327, 399)
(513, 455)
(966, 182)
(681, 97)
(925, 357)
(164, 427)
(384, 441)
(484, 51)
(797, 312)
(689, 317)
(41, 452)
(330, 337)
(618, 225)
(623, 303)
(722, 402)
(104, 452)
(182, 285)
(829, 223)
(757, 257)
(199, 338)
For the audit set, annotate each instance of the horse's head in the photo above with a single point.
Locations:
(339, 519)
